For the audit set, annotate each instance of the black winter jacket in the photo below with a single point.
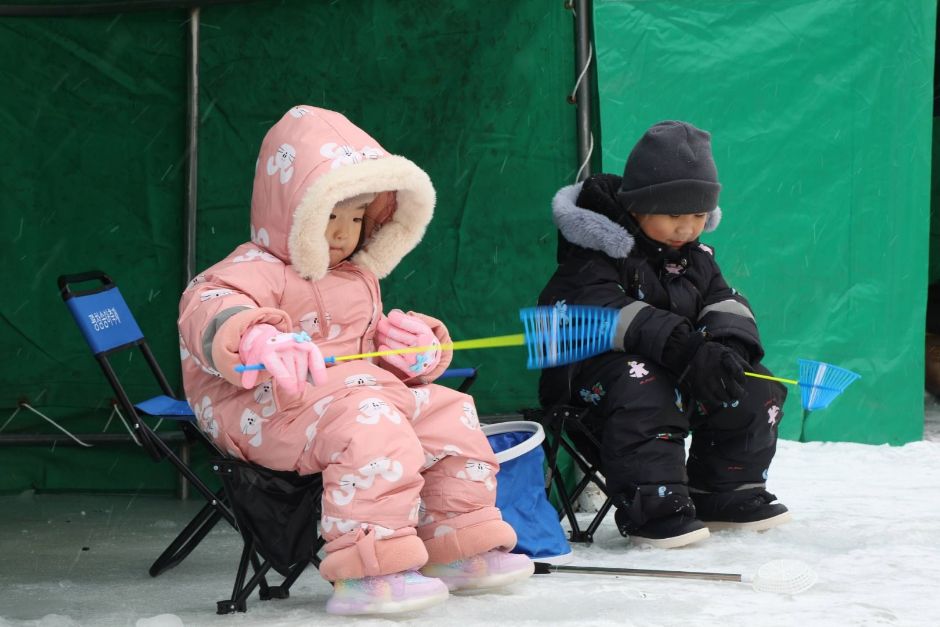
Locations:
(604, 259)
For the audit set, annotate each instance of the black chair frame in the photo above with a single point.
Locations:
(252, 547)
(562, 423)
(216, 507)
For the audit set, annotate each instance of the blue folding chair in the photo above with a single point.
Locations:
(109, 327)
(251, 497)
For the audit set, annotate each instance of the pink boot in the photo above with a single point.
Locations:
(491, 569)
(385, 594)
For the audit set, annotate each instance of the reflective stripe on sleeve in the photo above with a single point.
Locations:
(624, 320)
(727, 306)
(212, 328)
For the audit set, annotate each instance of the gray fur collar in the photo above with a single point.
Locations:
(594, 231)
(587, 228)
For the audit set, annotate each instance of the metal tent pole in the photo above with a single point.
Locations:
(584, 56)
(192, 144)
(192, 177)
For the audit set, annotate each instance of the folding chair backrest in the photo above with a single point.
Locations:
(109, 327)
(101, 314)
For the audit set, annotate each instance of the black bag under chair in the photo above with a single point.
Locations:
(566, 429)
(276, 513)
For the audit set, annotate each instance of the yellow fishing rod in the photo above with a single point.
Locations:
(496, 341)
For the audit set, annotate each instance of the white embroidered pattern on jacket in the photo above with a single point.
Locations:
(210, 294)
(310, 323)
(469, 417)
(477, 470)
(282, 163)
(343, 525)
(363, 380)
(342, 154)
(196, 280)
(422, 397)
(371, 410)
(772, 414)
(389, 469)
(260, 236)
(251, 424)
(205, 419)
(637, 369)
(254, 254)
(431, 459)
(264, 396)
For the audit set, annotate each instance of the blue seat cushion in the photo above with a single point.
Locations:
(165, 406)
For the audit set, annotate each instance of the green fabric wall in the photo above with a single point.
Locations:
(92, 168)
(821, 119)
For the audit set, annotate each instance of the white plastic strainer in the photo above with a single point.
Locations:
(782, 577)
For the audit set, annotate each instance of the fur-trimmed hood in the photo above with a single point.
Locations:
(602, 226)
(312, 159)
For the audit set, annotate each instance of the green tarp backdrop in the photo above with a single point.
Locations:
(820, 112)
(92, 168)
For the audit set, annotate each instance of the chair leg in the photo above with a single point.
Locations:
(237, 603)
(242, 589)
(555, 478)
(283, 591)
(187, 540)
(590, 476)
(557, 421)
(185, 458)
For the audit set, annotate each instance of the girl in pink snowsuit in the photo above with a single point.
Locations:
(408, 475)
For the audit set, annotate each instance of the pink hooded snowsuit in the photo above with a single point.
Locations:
(408, 475)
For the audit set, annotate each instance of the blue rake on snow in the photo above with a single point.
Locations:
(820, 383)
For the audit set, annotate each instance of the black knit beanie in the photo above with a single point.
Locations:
(671, 171)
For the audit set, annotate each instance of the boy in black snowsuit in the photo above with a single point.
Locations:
(684, 340)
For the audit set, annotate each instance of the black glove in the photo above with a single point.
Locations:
(716, 374)
(739, 347)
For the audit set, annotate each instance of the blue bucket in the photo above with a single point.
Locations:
(520, 490)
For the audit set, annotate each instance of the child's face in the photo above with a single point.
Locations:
(672, 230)
(343, 229)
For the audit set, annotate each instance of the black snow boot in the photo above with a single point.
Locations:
(753, 509)
(659, 518)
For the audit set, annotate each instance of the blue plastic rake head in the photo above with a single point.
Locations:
(563, 334)
(821, 383)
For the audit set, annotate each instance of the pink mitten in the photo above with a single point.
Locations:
(287, 356)
(400, 330)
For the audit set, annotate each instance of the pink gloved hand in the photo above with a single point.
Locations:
(287, 356)
(400, 330)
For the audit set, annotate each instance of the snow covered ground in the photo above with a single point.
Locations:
(867, 518)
